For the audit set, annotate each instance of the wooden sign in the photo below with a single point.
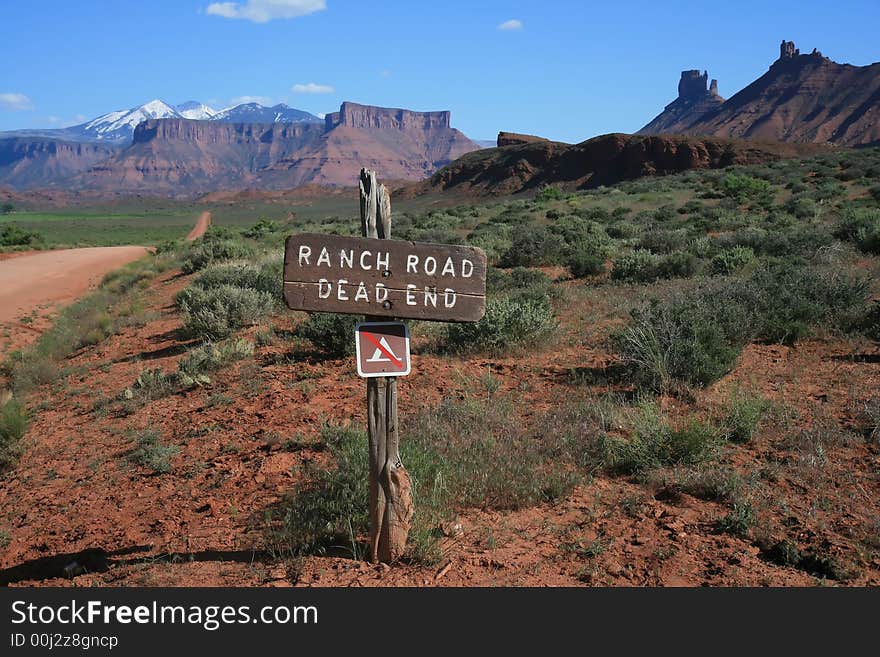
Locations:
(386, 278)
(382, 349)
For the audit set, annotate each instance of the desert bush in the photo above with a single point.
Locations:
(655, 442)
(645, 267)
(212, 356)
(217, 312)
(150, 453)
(691, 337)
(696, 336)
(331, 334)
(151, 384)
(265, 276)
(585, 262)
(548, 193)
(802, 207)
(533, 246)
(14, 235)
(870, 321)
(261, 228)
(786, 302)
(519, 281)
(211, 249)
(854, 222)
(869, 240)
(663, 241)
(623, 230)
(739, 521)
(730, 260)
(706, 481)
(578, 234)
(507, 323)
(741, 415)
(743, 187)
(13, 424)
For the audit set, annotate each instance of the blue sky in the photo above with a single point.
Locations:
(565, 70)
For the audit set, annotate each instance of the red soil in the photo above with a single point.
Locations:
(75, 498)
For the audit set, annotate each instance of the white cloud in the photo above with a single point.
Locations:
(262, 11)
(312, 88)
(385, 73)
(321, 115)
(57, 120)
(243, 100)
(512, 24)
(15, 102)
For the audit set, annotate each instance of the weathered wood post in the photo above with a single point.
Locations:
(391, 507)
(384, 279)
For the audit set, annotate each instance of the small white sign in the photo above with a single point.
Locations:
(382, 349)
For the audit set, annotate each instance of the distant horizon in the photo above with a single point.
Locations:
(560, 70)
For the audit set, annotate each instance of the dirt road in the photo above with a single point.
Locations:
(36, 283)
(201, 226)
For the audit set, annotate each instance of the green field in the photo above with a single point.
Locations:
(153, 221)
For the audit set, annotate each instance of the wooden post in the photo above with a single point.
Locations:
(391, 507)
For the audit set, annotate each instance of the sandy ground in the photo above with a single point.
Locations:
(34, 284)
(201, 226)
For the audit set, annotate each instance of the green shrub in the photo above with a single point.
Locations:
(217, 312)
(211, 249)
(663, 241)
(738, 521)
(151, 384)
(14, 235)
(855, 222)
(731, 260)
(742, 413)
(802, 207)
(533, 246)
(507, 323)
(149, 452)
(580, 234)
(691, 337)
(869, 240)
(645, 267)
(743, 187)
(584, 262)
(331, 334)
(786, 302)
(267, 276)
(262, 228)
(518, 278)
(211, 356)
(548, 193)
(656, 443)
(870, 322)
(13, 424)
(697, 336)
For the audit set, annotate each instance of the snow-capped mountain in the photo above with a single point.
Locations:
(193, 109)
(256, 113)
(118, 127)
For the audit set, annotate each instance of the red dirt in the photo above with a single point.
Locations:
(33, 285)
(201, 226)
(204, 522)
